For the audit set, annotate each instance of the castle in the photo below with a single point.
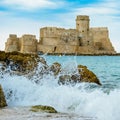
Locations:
(53, 40)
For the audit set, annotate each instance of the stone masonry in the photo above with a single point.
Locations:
(53, 40)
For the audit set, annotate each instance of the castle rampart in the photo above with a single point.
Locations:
(12, 43)
(82, 40)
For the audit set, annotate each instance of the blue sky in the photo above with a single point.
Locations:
(23, 16)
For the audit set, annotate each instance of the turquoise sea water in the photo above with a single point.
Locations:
(100, 102)
(107, 68)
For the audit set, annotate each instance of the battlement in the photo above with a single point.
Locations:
(13, 36)
(51, 28)
(28, 36)
(99, 28)
(82, 17)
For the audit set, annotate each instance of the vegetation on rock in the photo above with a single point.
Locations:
(28, 62)
(19, 61)
(87, 75)
(41, 108)
(2, 98)
(84, 75)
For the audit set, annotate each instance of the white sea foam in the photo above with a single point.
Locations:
(76, 99)
(82, 99)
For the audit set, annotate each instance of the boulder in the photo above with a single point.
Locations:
(55, 68)
(20, 62)
(41, 108)
(84, 75)
(87, 75)
(2, 98)
(64, 79)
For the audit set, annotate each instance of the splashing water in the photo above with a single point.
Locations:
(84, 99)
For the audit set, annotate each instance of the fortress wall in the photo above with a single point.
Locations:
(101, 35)
(51, 32)
(85, 50)
(86, 41)
(45, 48)
(50, 41)
(28, 44)
(58, 36)
(82, 40)
(104, 52)
(73, 42)
(56, 32)
(28, 49)
(57, 49)
(66, 49)
(11, 48)
(12, 43)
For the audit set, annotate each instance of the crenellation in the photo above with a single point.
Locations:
(12, 36)
(82, 40)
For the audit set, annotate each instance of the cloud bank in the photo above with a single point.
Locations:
(22, 16)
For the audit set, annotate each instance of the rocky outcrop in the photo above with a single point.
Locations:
(55, 68)
(41, 108)
(19, 62)
(2, 98)
(83, 75)
(28, 64)
(87, 75)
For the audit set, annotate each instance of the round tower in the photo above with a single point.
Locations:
(82, 23)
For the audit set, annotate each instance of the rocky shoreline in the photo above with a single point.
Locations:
(24, 113)
(73, 54)
(29, 65)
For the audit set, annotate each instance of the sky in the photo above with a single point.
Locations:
(28, 16)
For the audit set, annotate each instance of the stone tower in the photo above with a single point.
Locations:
(28, 44)
(12, 43)
(82, 24)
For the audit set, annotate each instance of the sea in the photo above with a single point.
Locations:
(89, 100)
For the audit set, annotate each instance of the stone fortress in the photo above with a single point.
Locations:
(53, 40)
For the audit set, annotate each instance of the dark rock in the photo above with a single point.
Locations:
(42, 60)
(64, 79)
(84, 75)
(2, 98)
(55, 68)
(87, 75)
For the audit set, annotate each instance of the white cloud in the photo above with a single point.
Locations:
(31, 4)
(104, 8)
(103, 14)
(20, 26)
(96, 10)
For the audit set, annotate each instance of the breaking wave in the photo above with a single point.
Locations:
(101, 102)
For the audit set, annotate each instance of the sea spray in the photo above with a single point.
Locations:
(100, 102)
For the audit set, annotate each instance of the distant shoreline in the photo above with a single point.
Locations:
(73, 54)
(67, 54)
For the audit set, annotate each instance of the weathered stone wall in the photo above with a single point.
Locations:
(45, 48)
(82, 40)
(101, 39)
(12, 43)
(28, 44)
(82, 24)
(57, 49)
(57, 36)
